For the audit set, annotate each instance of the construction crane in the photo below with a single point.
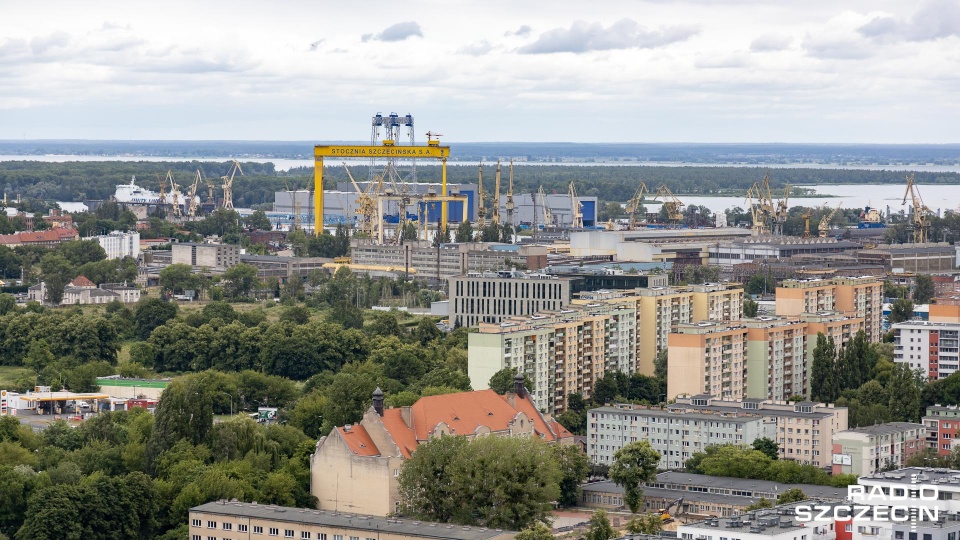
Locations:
(782, 208)
(482, 209)
(193, 204)
(576, 208)
(175, 195)
(760, 209)
(228, 185)
(824, 228)
(806, 223)
(547, 213)
(163, 189)
(370, 220)
(665, 516)
(495, 213)
(211, 198)
(671, 203)
(509, 204)
(921, 214)
(634, 204)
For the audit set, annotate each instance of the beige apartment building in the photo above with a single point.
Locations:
(355, 468)
(871, 449)
(860, 297)
(708, 358)
(233, 520)
(777, 365)
(217, 257)
(841, 327)
(658, 311)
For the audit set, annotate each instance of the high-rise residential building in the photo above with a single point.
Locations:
(119, 244)
(942, 424)
(933, 347)
(832, 324)
(707, 357)
(804, 430)
(859, 297)
(777, 365)
(717, 302)
(658, 311)
(490, 297)
(560, 352)
(871, 449)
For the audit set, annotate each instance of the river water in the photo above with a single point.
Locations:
(938, 197)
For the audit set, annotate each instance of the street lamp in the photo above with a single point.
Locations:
(231, 401)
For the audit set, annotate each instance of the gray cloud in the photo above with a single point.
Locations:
(523, 31)
(722, 62)
(316, 44)
(829, 47)
(935, 19)
(770, 42)
(396, 32)
(479, 48)
(42, 44)
(623, 34)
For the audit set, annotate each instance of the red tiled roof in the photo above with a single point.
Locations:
(358, 441)
(397, 428)
(9, 239)
(539, 424)
(82, 281)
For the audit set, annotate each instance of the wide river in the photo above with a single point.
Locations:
(937, 197)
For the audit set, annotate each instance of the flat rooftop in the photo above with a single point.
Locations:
(883, 429)
(917, 475)
(340, 520)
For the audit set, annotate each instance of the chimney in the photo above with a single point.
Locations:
(518, 386)
(378, 401)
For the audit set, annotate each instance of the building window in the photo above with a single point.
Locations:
(211, 524)
(274, 531)
(241, 528)
(228, 526)
(257, 529)
(288, 533)
(195, 523)
(305, 535)
(195, 537)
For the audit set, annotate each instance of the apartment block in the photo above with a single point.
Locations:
(426, 260)
(842, 328)
(942, 424)
(717, 302)
(560, 352)
(707, 358)
(859, 297)
(490, 297)
(933, 347)
(119, 244)
(803, 430)
(658, 311)
(777, 366)
(871, 449)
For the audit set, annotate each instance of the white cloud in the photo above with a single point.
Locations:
(770, 42)
(623, 34)
(478, 48)
(935, 19)
(396, 32)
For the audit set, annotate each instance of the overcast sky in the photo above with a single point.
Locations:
(877, 71)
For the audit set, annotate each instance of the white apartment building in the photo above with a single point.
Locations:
(119, 244)
(933, 347)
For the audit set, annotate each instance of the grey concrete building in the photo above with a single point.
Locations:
(918, 258)
(426, 260)
(492, 296)
(209, 256)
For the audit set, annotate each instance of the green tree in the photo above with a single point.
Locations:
(538, 531)
(464, 232)
(648, 524)
(177, 278)
(768, 446)
(240, 280)
(750, 307)
(600, 528)
(151, 313)
(660, 366)
(384, 323)
(633, 465)
(502, 381)
(574, 467)
(759, 505)
(56, 272)
(823, 381)
(901, 310)
(904, 404)
(791, 495)
(760, 284)
(258, 221)
(923, 289)
(295, 314)
(184, 412)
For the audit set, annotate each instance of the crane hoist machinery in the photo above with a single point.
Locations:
(637, 202)
(576, 207)
(174, 196)
(495, 213)
(228, 185)
(920, 219)
(509, 204)
(482, 208)
(193, 202)
(782, 208)
(761, 207)
(824, 228)
(547, 213)
(670, 201)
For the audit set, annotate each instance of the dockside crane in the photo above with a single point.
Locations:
(547, 213)
(760, 209)
(635, 203)
(806, 223)
(824, 228)
(175, 195)
(228, 185)
(482, 209)
(495, 212)
(782, 209)
(509, 204)
(366, 204)
(193, 206)
(671, 203)
(576, 207)
(921, 214)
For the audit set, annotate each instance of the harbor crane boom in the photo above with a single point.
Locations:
(228, 185)
(921, 214)
(576, 207)
(824, 228)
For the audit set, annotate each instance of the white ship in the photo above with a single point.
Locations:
(132, 193)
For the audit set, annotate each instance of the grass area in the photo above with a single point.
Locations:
(10, 374)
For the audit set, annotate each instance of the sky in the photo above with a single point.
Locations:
(816, 71)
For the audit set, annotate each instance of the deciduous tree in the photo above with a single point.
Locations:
(633, 465)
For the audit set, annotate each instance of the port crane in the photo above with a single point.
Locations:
(806, 223)
(921, 214)
(482, 209)
(370, 221)
(509, 204)
(824, 228)
(671, 203)
(782, 208)
(193, 206)
(576, 207)
(761, 208)
(547, 213)
(495, 213)
(636, 202)
(228, 185)
(175, 195)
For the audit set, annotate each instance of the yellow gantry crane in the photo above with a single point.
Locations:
(761, 206)
(576, 208)
(175, 195)
(482, 209)
(193, 204)
(806, 223)
(781, 210)
(634, 204)
(921, 214)
(509, 204)
(824, 228)
(670, 201)
(495, 213)
(228, 185)
(367, 208)
(547, 213)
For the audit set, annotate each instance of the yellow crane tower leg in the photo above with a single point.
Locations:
(443, 193)
(317, 196)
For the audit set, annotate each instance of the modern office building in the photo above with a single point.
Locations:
(803, 430)
(707, 357)
(933, 347)
(490, 297)
(871, 449)
(453, 259)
